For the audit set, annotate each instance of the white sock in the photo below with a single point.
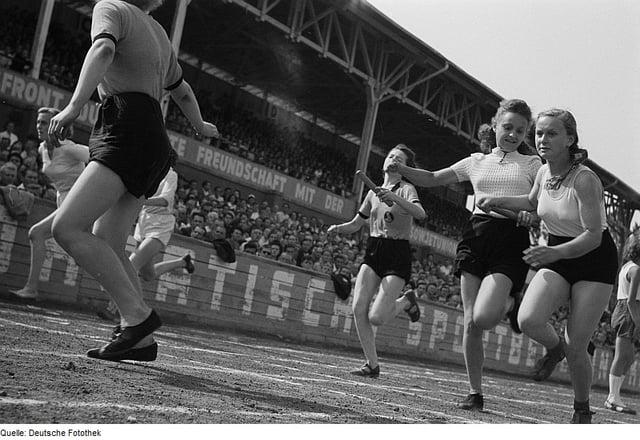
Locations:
(615, 383)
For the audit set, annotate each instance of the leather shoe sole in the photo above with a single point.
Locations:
(130, 336)
(145, 354)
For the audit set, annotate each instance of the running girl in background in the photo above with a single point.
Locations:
(387, 263)
(62, 163)
(625, 320)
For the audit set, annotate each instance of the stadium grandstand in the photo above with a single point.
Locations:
(304, 93)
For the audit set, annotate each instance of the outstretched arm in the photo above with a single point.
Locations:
(357, 222)
(420, 177)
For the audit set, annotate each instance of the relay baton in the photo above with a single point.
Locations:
(369, 183)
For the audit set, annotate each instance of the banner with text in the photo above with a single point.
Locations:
(237, 169)
(261, 295)
(443, 245)
(36, 93)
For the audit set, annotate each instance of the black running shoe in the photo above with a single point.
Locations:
(582, 417)
(473, 402)
(144, 354)
(190, 268)
(367, 371)
(414, 309)
(545, 365)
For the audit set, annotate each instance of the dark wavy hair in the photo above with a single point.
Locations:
(487, 138)
(520, 107)
(411, 156)
(631, 250)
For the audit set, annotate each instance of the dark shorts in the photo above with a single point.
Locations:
(621, 320)
(492, 245)
(600, 265)
(130, 138)
(389, 257)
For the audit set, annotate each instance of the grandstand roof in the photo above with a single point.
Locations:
(228, 38)
(318, 56)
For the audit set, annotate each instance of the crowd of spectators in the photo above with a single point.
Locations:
(63, 54)
(260, 140)
(280, 233)
(205, 213)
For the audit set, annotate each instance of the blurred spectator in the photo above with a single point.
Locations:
(8, 174)
(8, 137)
(251, 247)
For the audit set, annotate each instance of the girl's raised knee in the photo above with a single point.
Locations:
(376, 319)
(485, 321)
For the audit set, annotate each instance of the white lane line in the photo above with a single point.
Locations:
(313, 361)
(107, 405)
(422, 410)
(384, 387)
(337, 379)
(163, 409)
(39, 328)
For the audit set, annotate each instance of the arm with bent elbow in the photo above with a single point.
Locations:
(185, 99)
(95, 65)
(589, 194)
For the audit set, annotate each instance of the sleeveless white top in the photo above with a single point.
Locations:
(559, 208)
(623, 283)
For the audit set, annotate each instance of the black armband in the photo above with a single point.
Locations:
(174, 85)
(105, 35)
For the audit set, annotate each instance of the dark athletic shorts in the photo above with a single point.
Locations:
(493, 245)
(600, 265)
(389, 257)
(621, 320)
(129, 138)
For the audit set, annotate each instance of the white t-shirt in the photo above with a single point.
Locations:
(498, 174)
(67, 164)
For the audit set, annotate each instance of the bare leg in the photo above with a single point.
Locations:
(588, 302)
(96, 193)
(472, 334)
(545, 294)
(366, 286)
(622, 361)
(38, 234)
(142, 257)
(168, 266)
(386, 305)
(492, 301)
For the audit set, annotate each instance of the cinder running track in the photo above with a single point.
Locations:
(214, 376)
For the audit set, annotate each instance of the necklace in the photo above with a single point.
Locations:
(554, 182)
